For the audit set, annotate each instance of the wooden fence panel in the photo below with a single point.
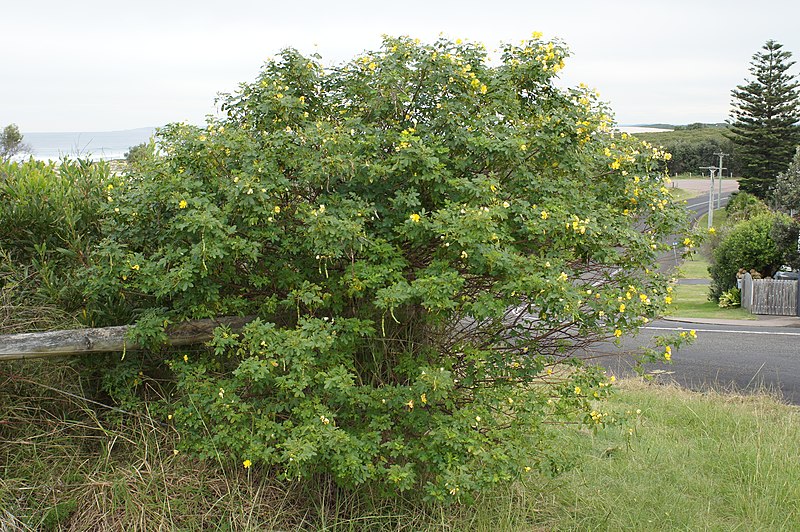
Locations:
(769, 296)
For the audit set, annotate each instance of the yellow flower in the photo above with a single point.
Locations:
(692, 333)
(410, 404)
(562, 277)
(423, 398)
(668, 300)
(577, 390)
(277, 209)
(711, 230)
(135, 267)
(186, 358)
(617, 333)
(247, 464)
(414, 217)
(182, 204)
(668, 353)
(523, 147)
(622, 307)
(544, 215)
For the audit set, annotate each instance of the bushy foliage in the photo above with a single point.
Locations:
(137, 154)
(50, 216)
(427, 240)
(730, 298)
(748, 245)
(693, 147)
(787, 186)
(743, 206)
(786, 234)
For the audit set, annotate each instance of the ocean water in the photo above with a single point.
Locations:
(97, 145)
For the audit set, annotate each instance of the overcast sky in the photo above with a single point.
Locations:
(90, 65)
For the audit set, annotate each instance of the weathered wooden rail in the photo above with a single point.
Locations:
(105, 339)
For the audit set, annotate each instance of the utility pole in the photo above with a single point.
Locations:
(720, 169)
(710, 195)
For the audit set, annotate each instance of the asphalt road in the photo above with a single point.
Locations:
(740, 357)
(699, 205)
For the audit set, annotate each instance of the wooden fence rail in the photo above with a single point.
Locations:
(770, 296)
(104, 339)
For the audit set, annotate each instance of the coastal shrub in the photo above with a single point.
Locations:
(743, 206)
(749, 245)
(428, 243)
(50, 216)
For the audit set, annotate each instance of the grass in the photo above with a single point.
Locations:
(681, 194)
(720, 219)
(691, 301)
(690, 461)
(695, 462)
(695, 267)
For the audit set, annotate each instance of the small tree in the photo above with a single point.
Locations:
(786, 234)
(429, 242)
(748, 245)
(11, 143)
(787, 187)
(764, 119)
(137, 154)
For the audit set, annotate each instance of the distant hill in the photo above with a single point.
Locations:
(693, 146)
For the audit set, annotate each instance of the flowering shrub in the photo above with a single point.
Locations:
(428, 242)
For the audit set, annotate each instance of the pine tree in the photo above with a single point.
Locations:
(765, 117)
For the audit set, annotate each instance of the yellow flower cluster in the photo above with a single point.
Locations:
(597, 417)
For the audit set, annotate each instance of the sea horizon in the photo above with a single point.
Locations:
(94, 145)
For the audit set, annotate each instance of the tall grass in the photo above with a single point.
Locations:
(693, 461)
(696, 462)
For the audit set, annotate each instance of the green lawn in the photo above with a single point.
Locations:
(695, 267)
(691, 301)
(681, 194)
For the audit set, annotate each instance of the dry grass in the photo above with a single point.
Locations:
(695, 460)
